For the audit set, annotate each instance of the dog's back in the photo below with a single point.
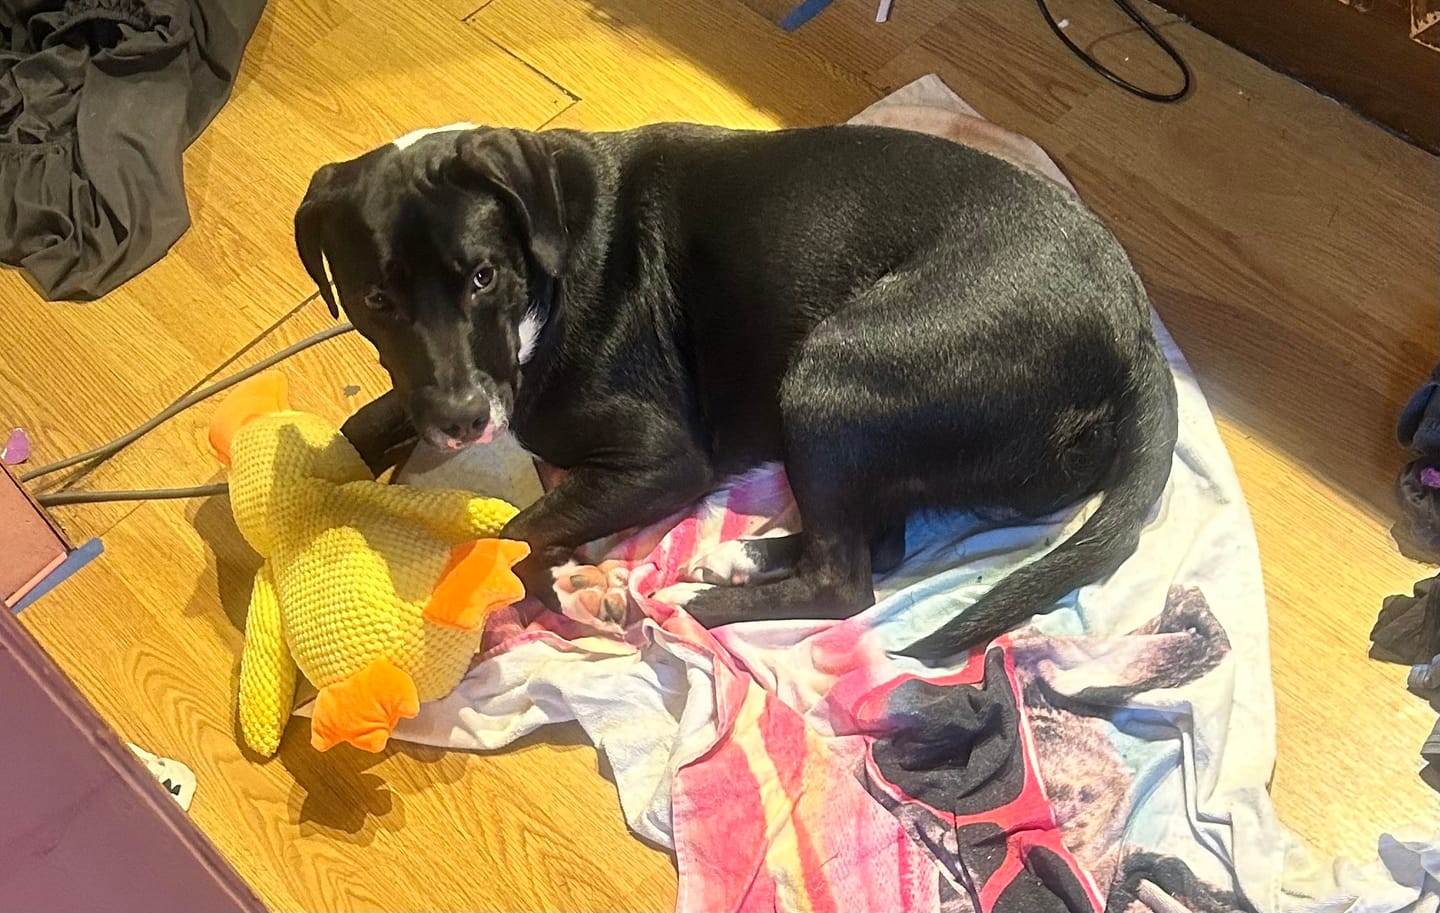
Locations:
(761, 235)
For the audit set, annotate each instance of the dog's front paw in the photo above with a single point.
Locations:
(721, 605)
(598, 594)
(537, 573)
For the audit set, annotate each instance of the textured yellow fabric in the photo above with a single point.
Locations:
(267, 673)
(349, 566)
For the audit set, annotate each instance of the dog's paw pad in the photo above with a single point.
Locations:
(596, 594)
(614, 606)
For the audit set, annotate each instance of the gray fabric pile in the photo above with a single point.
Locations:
(98, 99)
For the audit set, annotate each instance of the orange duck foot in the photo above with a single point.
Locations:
(477, 581)
(260, 395)
(363, 708)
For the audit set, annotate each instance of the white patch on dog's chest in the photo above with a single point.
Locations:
(530, 327)
(409, 139)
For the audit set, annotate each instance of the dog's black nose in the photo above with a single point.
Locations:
(458, 419)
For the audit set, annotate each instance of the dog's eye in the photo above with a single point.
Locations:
(377, 300)
(483, 279)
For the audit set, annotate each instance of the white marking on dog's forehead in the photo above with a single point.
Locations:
(414, 136)
(530, 327)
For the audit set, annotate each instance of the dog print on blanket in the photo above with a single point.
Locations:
(1009, 775)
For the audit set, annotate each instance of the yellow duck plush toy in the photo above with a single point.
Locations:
(375, 592)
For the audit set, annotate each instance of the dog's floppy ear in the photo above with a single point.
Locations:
(311, 219)
(519, 166)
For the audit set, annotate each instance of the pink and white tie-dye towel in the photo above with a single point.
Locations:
(1114, 753)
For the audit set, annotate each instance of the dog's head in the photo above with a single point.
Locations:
(443, 250)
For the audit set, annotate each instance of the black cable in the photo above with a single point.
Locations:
(1098, 67)
(104, 451)
(247, 347)
(234, 357)
(61, 498)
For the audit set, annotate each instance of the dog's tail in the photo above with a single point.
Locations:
(1145, 443)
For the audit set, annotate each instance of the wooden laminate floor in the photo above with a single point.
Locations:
(1290, 247)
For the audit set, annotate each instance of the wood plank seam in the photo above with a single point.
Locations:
(476, 11)
(532, 68)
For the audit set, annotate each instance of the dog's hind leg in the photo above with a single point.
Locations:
(887, 547)
(828, 460)
(831, 578)
(750, 562)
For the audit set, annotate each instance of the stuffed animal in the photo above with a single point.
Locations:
(375, 592)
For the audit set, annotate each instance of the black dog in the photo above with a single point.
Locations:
(905, 322)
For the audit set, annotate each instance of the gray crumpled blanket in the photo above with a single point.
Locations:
(98, 100)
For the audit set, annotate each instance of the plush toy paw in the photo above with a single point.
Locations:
(477, 581)
(364, 708)
(595, 593)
